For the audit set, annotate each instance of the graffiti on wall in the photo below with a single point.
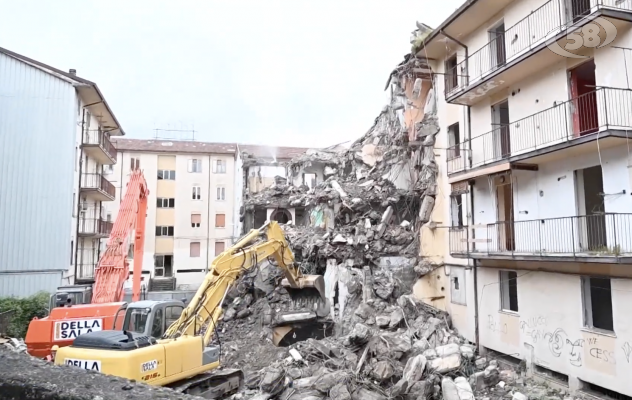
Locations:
(627, 350)
(495, 326)
(533, 327)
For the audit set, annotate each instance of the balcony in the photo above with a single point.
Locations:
(605, 237)
(97, 145)
(96, 187)
(95, 227)
(605, 114)
(87, 260)
(514, 53)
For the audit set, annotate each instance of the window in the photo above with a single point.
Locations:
(196, 220)
(451, 74)
(220, 220)
(74, 204)
(197, 193)
(108, 170)
(164, 231)
(162, 202)
(454, 140)
(163, 265)
(130, 251)
(195, 165)
(597, 299)
(509, 291)
(76, 157)
(172, 314)
(194, 249)
(219, 248)
(108, 217)
(309, 180)
(457, 285)
(219, 167)
(157, 327)
(167, 174)
(134, 163)
(456, 210)
(72, 247)
(221, 193)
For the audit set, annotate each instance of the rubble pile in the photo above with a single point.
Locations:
(404, 350)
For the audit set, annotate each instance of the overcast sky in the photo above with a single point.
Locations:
(292, 72)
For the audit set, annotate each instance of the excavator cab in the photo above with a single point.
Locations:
(148, 317)
(70, 296)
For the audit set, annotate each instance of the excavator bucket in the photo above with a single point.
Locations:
(309, 293)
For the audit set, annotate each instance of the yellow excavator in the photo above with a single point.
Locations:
(184, 358)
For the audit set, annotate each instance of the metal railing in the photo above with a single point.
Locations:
(101, 139)
(94, 226)
(97, 181)
(533, 30)
(583, 115)
(597, 235)
(87, 259)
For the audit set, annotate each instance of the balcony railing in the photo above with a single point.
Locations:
(97, 137)
(604, 108)
(97, 182)
(505, 46)
(94, 226)
(597, 235)
(87, 260)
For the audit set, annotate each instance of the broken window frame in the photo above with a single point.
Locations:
(508, 280)
(454, 140)
(458, 293)
(456, 211)
(587, 304)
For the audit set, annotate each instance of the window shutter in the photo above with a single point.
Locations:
(219, 248)
(220, 220)
(195, 249)
(196, 218)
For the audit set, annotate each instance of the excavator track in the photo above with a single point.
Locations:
(212, 385)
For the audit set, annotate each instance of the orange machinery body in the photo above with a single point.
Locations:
(65, 323)
(112, 271)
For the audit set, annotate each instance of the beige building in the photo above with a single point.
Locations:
(535, 106)
(193, 210)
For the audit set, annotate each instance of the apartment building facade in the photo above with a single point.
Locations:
(190, 209)
(51, 219)
(537, 175)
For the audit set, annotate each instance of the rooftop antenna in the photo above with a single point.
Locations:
(175, 133)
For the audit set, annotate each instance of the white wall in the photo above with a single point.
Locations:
(548, 328)
(550, 193)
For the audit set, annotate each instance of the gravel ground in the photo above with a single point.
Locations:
(23, 377)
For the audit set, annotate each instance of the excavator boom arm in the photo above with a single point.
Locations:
(112, 270)
(205, 308)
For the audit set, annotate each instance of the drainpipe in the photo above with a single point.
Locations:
(208, 215)
(472, 219)
(467, 61)
(467, 71)
(78, 205)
